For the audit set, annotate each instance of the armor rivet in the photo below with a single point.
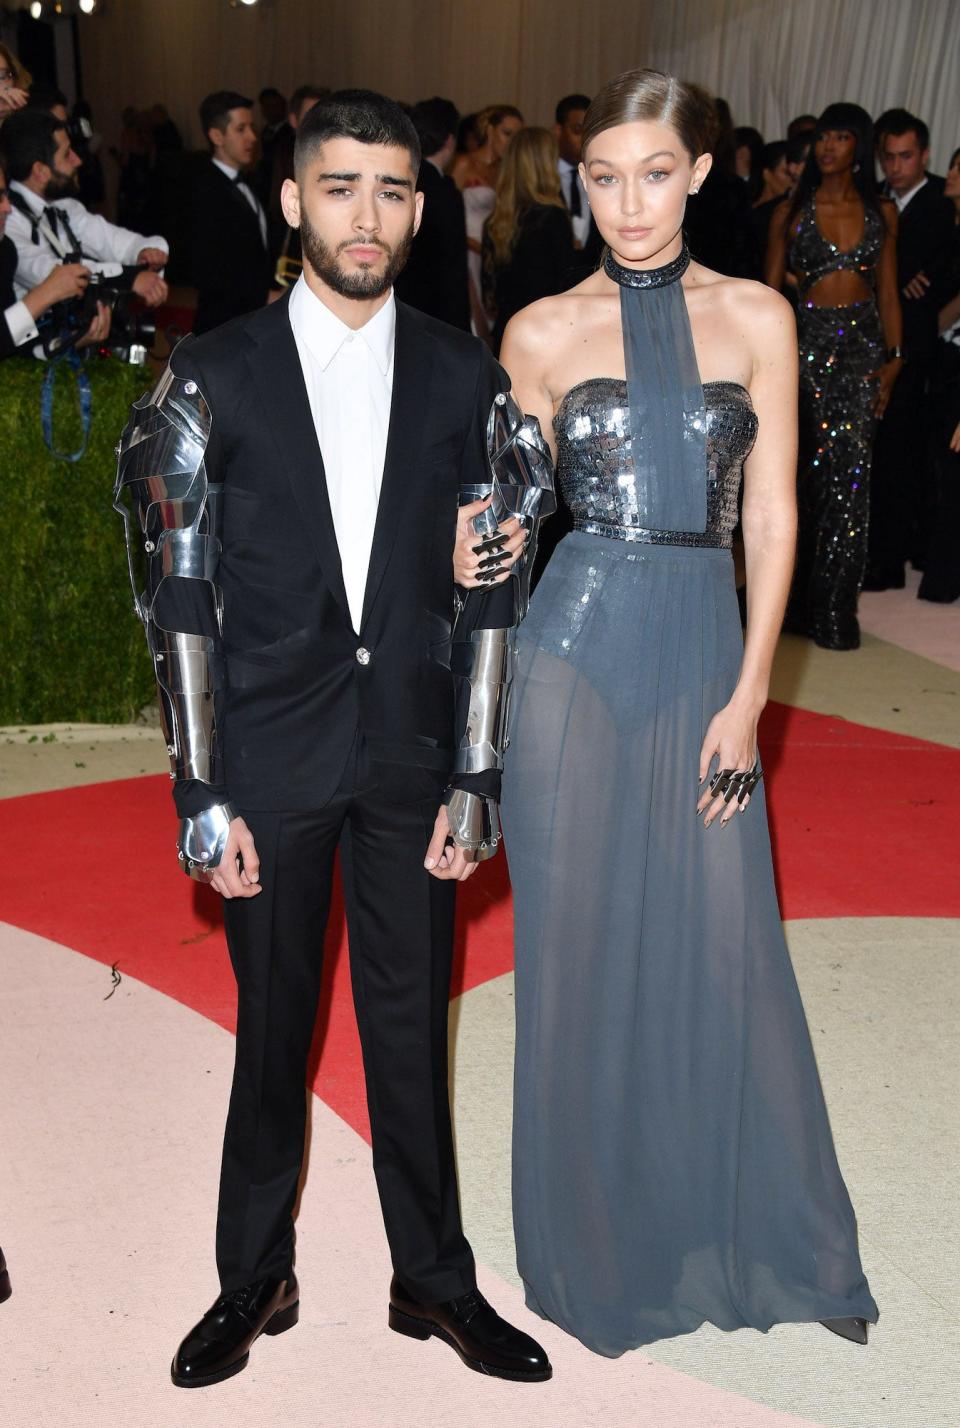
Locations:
(159, 659)
(190, 388)
(204, 855)
(501, 399)
(363, 656)
(171, 749)
(118, 448)
(148, 546)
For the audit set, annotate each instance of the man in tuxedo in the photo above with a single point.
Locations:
(284, 241)
(435, 277)
(296, 475)
(568, 130)
(925, 241)
(231, 259)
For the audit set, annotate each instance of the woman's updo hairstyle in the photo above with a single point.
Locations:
(647, 95)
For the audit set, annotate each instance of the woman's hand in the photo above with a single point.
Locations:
(474, 568)
(731, 738)
(886, 376)
(955, 439)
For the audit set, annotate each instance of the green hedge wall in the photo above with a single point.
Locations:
(71, 647)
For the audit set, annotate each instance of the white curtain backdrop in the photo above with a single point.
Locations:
(771, 58)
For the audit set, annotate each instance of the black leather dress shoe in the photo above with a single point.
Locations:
(485, 1342)
(5, 1290)
(219, 1346)
(853, 1329)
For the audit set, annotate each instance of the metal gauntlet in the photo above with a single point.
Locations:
(484, 640)
(165, 499)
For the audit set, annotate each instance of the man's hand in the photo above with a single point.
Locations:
(238, 872)
(68, 280)
(152, 289)
(917, 287)
(99, 329)
(475, 571)
(444, 860)
(155, 258)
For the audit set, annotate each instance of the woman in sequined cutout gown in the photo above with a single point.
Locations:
(673, 1162)
(839, 239)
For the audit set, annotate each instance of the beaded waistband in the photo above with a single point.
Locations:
(709, 540)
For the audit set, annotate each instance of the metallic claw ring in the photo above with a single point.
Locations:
(731, 783)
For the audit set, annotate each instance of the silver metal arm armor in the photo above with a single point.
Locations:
(167, 503)
(521, 486)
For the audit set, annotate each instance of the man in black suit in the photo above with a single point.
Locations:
(569, 115)
(296, 476)
(925, 243)
(231, 260)
(435, 278)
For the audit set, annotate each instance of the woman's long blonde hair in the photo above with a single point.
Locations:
(21, 76)
(528, 175)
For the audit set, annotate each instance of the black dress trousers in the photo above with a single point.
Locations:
(400, 929)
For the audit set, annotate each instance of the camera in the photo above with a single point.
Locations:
(131, 334)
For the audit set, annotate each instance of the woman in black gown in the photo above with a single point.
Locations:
(673, 1162)
(839, 240)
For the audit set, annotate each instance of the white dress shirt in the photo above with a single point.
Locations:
(581, 224)
(106, 247)
(901, 200)
(20, 323)
(245, 189)
(349, 381)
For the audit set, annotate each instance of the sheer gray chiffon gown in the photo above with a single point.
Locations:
(673, 1161)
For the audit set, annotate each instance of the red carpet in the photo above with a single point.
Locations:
(862, 826)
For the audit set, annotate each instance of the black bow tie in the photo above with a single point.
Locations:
(55, 216)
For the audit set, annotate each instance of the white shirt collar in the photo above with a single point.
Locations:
(227, 169)
(37, 203)
(324, 334)
(905, 199)
(565, 166)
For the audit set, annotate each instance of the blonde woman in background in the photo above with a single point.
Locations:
(14, 82)
(528, 247)
(475, 175)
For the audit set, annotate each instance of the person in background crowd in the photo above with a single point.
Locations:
(798, 151)
(802, 125)
(275, 130)
(51, 99)
(18, 317)
(567, 130)
(838, 237)
(14, 82)
(49, 223)
(88, 143)
(435, 277)
(718, 222)
(749, 159)
(528, 250)
(231, 257)
(899, 486)
(134, 157)
(475, 174)
(468, 138)
(284, 240)
(941, 572)
(775, 179)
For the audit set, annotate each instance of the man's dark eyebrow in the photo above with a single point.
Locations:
(355, 178)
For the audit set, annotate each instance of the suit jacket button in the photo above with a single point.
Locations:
(363, 656)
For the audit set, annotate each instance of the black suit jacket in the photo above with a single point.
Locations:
(539, 264)
(231, 265)
(925, 244)
(435, 278)
(8, 266)
(296, 694)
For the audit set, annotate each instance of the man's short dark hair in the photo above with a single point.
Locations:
(29, 137)
(271, 92)
(568, 104)
(359, 114)
(434, 120)
(215, 109)
(802, 124)
(45, 96)
(798, 145)
(304, 92)
(899, 122)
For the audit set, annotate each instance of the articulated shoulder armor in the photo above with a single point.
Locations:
(484, 654)
(163, 494)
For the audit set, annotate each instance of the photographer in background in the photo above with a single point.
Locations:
(18, 318)
(50, 227)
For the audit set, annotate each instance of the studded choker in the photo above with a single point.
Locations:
(647, 277)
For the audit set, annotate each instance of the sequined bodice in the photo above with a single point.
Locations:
(595, 465)
(812, 257)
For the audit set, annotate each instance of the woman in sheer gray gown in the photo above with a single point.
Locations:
(673, 1160)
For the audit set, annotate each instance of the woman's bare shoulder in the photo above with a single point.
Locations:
(549, 320)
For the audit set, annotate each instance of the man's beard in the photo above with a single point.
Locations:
(363, 283)
(59, 186)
